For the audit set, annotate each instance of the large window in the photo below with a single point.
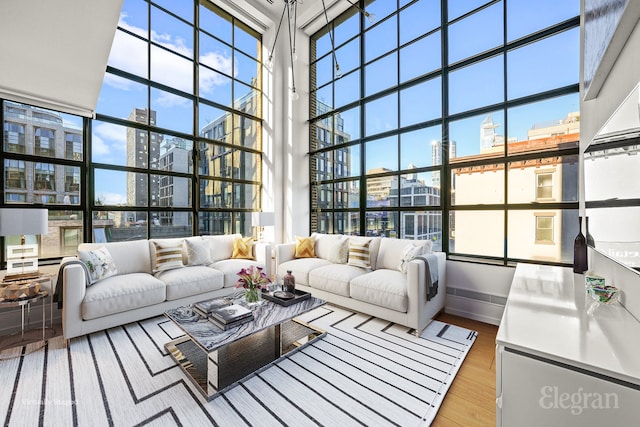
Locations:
(170, 157)
(167, 155)
(459, 122)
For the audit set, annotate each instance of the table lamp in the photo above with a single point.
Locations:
(22, 260)
(262, 220)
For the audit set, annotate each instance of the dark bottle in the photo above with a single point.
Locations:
(590, 241)
(580, 250)
(289, 282)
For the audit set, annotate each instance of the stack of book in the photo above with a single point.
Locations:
(204, 308)
(230, 316)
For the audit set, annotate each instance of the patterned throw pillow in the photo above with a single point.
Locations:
(408, 253)
(243, 248)
(359, 255)
(198, 251)
(305, 247)
(168, 256)
(99, 263)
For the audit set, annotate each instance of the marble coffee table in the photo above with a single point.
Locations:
(215, 359)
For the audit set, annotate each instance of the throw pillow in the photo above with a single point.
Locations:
(168, 256)
(359, 255)
(243, 248)
(198, 251)
(305, 247)
(99, 263)
(408, 253)
(332, 247)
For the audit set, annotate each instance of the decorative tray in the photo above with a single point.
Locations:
(281, 298)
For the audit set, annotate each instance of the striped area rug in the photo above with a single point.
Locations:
(364, 372)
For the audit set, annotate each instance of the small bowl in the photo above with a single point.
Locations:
(604, 294)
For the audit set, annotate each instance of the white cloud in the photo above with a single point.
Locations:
(169, 100)
(98, 147)
(112, 199)
(117, 82)
(130, 54)
(111, 138)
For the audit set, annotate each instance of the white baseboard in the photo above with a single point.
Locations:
(481, 311)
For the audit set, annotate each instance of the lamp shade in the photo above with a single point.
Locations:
(262, 219)
(19, 222)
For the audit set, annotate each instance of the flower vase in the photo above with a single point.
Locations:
(252, 295)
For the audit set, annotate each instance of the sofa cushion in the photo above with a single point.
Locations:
(99, 263)
(122, 293)
(334, 278)
(129, 257)
(305, 247)
(332, 247)
(386, 288)
(301, 267)
(243, 248)
(189, 281)
(198, 251)
(221, 246)
(231, 267)
(390, 253)
(167, 255)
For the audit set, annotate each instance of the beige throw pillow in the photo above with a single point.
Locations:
(198, 251)
(359, 255)
(168, 256)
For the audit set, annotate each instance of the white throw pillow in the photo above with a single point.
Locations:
(332, 247)
(168, 256)
(99, 263)
(198, 251)
(359, 255)
(408, 253)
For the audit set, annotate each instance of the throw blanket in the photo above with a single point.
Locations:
(57, 295)
(431, 264)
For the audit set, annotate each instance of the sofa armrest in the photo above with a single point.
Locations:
(73, 291)
(420, 310)
(284, 252)
(264, 254)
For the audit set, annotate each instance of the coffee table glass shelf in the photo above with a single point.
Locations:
(215, 359)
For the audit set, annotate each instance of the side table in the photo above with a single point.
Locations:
(22, 302)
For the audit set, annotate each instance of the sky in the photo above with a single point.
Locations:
(551, 63)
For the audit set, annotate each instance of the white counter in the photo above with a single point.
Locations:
(548, 314)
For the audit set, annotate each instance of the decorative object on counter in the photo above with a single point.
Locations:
(252, 279)
(289, 282)
(580, 250)
(590, 241)
(603, 294)
(594, 280)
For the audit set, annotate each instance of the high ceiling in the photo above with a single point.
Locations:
(268, 12)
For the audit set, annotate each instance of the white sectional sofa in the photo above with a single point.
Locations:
(138, 291)
(383, 290)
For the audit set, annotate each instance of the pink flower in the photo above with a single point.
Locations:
(252, 278)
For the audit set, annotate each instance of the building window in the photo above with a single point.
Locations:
(45, 142)
(14, 174)
(73, 146)
(544, 186)
(544, 229)
(14, 141)
(45, 176)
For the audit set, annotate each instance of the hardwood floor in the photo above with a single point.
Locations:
(471, 399)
